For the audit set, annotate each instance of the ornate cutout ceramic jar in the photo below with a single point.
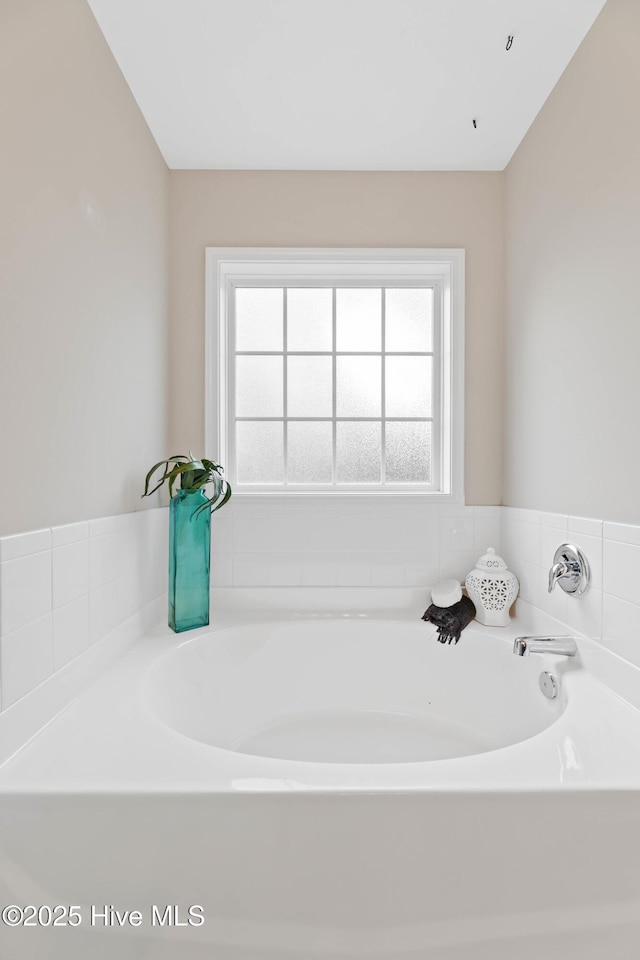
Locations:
(493, 589)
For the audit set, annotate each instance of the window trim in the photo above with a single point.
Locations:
(228, 265)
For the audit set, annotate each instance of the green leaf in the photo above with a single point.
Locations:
(160, 463)
(194, 475)
(225, 499)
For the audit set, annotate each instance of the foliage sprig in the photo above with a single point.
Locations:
(194, 474)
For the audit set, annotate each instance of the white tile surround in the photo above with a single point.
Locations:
(64, 588)
(610, 610)
(347, 544)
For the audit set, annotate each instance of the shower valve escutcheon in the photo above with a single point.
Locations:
(570, 570)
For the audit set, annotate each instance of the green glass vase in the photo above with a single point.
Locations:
(189, 555)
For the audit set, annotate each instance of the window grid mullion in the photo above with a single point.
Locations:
(330, 353)
(285, 386)
(436, 387)
(345, 419)
(383, 387)
(334, 390)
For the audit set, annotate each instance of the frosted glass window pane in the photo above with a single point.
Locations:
(358, 386)
(259, 386)
(408, 452)
(259, 451)
(408, 386)
(259, 319)
(358, 452)
(358, 319)
(409, 319)
(309, 392)
(309, 452)
(309, 319)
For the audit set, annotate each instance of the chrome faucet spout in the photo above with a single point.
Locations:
(520, 646)
(562, 646)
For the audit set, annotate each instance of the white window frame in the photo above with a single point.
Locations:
(269, 266)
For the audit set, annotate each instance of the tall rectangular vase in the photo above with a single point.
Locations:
(189, 560)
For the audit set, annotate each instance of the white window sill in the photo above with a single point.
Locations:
(322, 498)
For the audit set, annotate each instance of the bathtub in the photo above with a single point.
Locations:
(315, 777)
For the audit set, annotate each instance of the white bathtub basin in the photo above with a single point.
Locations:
(337, 691)
(524, 852)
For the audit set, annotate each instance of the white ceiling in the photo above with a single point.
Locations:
(341, 84)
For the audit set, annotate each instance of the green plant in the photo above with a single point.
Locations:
(193, 475)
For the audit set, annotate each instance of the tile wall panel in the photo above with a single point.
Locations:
(610, 610)
(64, 588)
(352, 544)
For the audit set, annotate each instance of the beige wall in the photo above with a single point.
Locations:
(222, 208)
(572, 286)
(83, 247)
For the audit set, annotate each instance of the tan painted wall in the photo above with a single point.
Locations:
(83, 298)
(222, 208)
(572, 286)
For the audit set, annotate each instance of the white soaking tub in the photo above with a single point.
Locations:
(349, 691)
(316, 778)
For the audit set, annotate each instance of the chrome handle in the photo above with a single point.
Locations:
(558, 570)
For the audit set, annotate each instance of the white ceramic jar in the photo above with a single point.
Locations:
(493, 589)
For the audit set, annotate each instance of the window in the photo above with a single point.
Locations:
(336, 371)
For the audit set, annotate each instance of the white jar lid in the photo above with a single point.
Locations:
(491, 561)
(446, 593)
